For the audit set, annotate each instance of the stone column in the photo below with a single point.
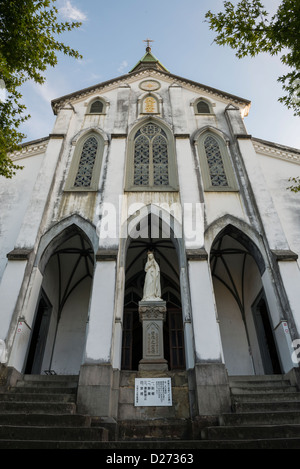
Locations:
(152, 315)
(211, 381)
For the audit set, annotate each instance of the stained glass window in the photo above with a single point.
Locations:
(86, 163)
(215, 162)
(151, 165)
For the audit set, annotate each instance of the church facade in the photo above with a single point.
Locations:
(150, 164)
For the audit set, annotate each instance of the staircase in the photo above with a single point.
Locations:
(39, 412)
(265, 415)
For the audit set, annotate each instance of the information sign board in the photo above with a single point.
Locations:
(153, 392)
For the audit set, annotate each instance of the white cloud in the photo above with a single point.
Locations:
(45, 91)
(123, 66)
(72, 13)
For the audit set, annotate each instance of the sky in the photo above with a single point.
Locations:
(111, 41)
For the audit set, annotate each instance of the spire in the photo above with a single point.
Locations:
(148, 60)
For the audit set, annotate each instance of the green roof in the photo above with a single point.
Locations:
(149, 60)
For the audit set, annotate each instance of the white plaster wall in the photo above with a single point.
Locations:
(204, 316)
(219, 204)
(70, 341)
(15, 194)
(277, 173)
(234, 340)
(99, 331)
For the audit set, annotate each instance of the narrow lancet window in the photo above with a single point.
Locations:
(215, 162)
(151, 157)
(86, 163)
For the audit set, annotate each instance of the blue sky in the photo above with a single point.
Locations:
(111, 42)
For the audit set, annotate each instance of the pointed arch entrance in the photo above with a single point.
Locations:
(59, 329)
(245, 320)
(152, 238)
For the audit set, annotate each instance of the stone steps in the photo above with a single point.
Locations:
(265, 414)
(40, 412)
(155, 430)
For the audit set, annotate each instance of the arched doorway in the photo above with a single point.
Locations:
(166, 256)
(59, 329)
(245, 320)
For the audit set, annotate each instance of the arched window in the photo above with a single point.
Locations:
(150, 105)
(202, 106)
(216, 167)
(151, 162)
(85, 167)
(96, 107)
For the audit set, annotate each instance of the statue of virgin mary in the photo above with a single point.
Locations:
(152, 289)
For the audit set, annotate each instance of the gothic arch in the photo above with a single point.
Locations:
(151, 157)
(246, 323)
(212, 146)
(132, 254)
(235, 227)
(66, 259)
(59, 233)
(97, 105)
(150, 103)
(86, 162)
(202, 106)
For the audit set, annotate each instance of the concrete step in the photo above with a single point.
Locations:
(292, 443)
(262, 389)
(265, 397)
(53, 433)
(258, 379)
(47, 420)
(37, 407)
(260, 418)
(37, 397)
(157, 429)
(244, 407)
(251, 432)
(51, 381)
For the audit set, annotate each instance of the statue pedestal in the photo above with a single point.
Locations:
(152, 316)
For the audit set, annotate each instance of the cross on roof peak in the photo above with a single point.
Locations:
(148, 49)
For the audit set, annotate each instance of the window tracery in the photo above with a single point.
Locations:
(151, 161)
(86, 163)
(151, 156)
(215, 162)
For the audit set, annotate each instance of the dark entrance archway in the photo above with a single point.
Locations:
(59, 329)
(245, 322)
(166, 256)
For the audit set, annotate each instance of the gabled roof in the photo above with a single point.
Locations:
(149, 65)
(148, 60)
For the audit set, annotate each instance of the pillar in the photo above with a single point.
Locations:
(152, 316)
(211, 380)
(96, 379)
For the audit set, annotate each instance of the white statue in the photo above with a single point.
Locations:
(152, 289)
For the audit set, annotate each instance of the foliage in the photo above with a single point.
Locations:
(296, 186)
(28, 45)
(247, 28)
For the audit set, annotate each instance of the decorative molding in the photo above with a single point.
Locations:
(58, 103)
(285, 255)
(276, 151)
(196, 254)
(35, 147)
(106, 255)
(19, 254)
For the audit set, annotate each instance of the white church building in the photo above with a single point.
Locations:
(150, 162)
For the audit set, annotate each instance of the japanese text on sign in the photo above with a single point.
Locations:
(153, 392)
